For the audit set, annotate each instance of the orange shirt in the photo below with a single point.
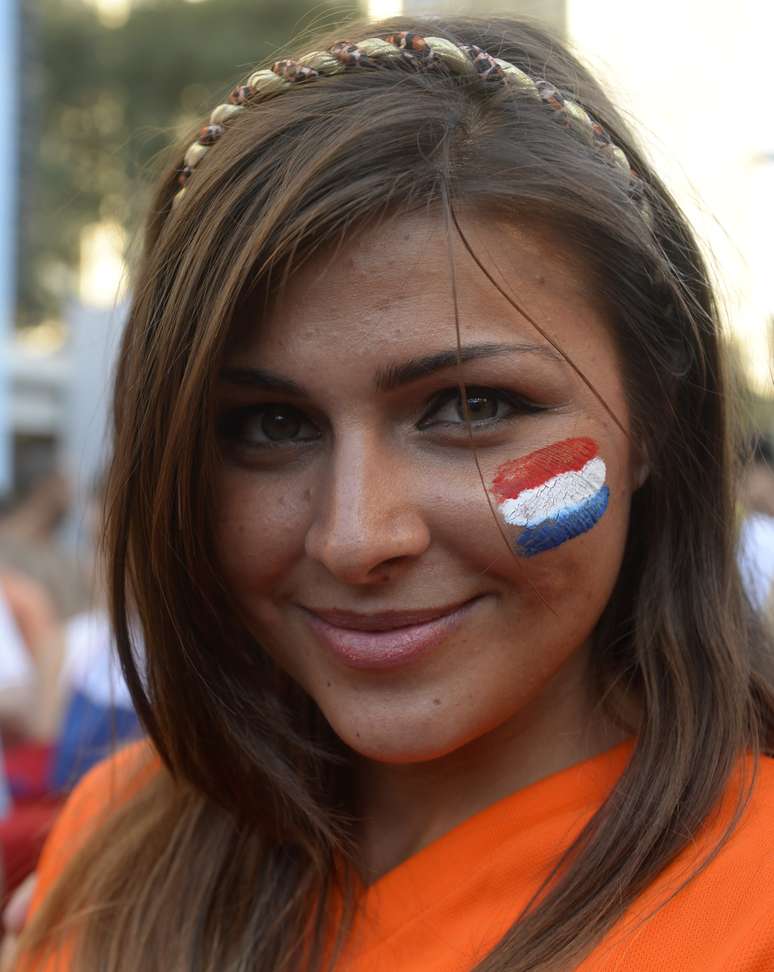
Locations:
(445, 907)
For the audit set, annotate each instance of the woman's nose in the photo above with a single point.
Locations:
(368, 522)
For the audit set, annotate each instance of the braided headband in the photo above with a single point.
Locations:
(426, 52)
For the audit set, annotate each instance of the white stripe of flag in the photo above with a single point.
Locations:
(560, 492)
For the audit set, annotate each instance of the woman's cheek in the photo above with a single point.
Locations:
(260, 530)
(552, 495)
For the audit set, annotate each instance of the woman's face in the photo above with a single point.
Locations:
(424, 579)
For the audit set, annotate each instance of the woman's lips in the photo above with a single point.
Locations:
(388, 639)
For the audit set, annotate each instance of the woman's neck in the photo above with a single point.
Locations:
(406, 807)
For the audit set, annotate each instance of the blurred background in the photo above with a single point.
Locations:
(93, 92)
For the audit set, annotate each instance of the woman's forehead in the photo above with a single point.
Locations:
(406, 281)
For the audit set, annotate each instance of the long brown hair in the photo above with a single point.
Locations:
(231, 857)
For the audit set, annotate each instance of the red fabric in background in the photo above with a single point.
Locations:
(24, 831)
(28, 768)
(22, 835)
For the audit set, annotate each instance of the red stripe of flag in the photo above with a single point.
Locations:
(532, 470)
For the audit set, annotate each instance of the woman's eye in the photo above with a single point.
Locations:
(267, 425)
(480, 405)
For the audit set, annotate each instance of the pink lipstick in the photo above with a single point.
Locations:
(386, 640)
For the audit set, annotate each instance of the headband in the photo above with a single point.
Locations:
(429, 53)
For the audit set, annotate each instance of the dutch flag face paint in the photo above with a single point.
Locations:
(554, 494)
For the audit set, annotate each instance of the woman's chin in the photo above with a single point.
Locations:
(401, 737)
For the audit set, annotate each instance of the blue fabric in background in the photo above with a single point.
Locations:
(5, 798)
(89, 732)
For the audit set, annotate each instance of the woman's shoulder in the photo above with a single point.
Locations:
(103, 790)
(110, 783)
(739, 835)
(712, 907)
(748, 807)
(754, 777)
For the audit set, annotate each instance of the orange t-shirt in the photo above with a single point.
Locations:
(444, 908)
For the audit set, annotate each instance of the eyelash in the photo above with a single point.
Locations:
(231, 423)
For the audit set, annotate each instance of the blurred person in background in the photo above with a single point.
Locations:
(73, 687)
(29, 544)
(28, 621)
(756, 540)
(96, 709)
(90, 708)
(76, 710)
(63, 702)
(16, 680)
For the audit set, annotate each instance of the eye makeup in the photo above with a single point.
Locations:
(555, 493)
(483, 405)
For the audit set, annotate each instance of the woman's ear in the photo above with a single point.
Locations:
(640, 466)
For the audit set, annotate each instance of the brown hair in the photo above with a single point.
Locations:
(230, 859)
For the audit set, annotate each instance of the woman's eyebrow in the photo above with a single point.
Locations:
(260, 379)
(396, 375)
(392, 376)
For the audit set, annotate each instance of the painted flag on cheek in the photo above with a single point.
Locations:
(555, 493)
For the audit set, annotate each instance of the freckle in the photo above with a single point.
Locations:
(307, 495)
(436, 701)
(328, 684)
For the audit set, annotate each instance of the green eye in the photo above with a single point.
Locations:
(480, 407)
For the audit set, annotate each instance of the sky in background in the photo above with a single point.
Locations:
(694, 77)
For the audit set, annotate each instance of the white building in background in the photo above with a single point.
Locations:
(550, 12)
(9, 111)
(60, 377)
(60, 404)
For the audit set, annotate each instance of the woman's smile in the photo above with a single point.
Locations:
(387, 639)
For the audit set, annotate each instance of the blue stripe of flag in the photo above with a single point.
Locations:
(565, 525)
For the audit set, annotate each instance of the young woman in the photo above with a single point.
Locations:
(423, 494)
